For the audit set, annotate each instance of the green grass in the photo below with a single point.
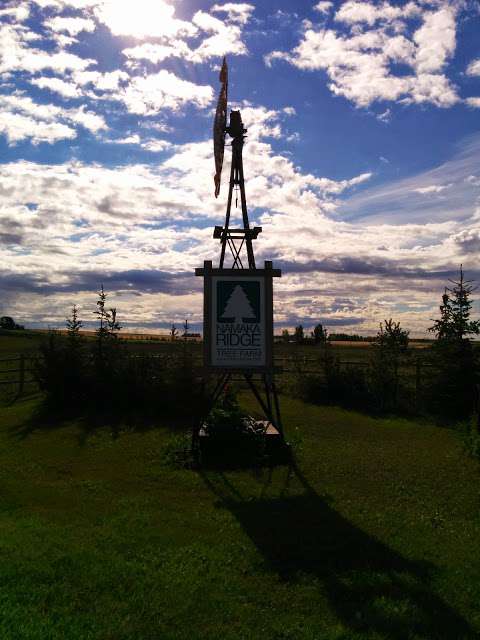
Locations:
(374, 534)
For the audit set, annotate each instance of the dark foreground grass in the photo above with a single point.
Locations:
(374, 534)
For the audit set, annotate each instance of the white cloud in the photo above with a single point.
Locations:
(473, 68)
(225, 37)
(17, 127)
(20, 13)
(143, 18)
(129, 226)
(151, 144)
(433, 188)
(473, 102)
(159, 52)
(323, 7)
(65, 4)
(22, 118)
(163, 90)
(65, 89)
(236, 11)
(435, 40)
(360, 65)
(365, 12)
(18, 54)
(156, 145)
(109, 81)
(87, 119)
(72, 26)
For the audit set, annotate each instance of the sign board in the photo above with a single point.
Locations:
(238, 318)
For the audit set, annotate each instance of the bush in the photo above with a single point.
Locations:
(81, 380)
(347, 387)
(450, 393)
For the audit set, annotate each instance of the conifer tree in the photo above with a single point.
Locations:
(390, 343)
(299, 334)
(73, 324)
(454, 322)
(453, 387)
(102, 315)
(73, 331)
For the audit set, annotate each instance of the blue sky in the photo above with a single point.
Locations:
(362, 160)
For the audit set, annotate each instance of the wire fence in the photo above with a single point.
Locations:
(17, 371)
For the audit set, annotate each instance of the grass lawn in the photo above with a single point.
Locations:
(374, 534)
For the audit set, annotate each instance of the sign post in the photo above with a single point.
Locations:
(238, 300)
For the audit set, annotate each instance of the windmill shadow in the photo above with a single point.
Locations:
(369, 586)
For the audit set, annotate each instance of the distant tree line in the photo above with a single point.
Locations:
(320, 334)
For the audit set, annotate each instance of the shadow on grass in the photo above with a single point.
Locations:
(370, 587)
(93, 419)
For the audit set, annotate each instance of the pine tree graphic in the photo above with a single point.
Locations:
(238, 306)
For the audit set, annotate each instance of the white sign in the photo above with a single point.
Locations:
(238, 321)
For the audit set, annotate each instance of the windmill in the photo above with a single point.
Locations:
(235, 239)
(238, 298)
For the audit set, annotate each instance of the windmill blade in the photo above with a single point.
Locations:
(219, 125)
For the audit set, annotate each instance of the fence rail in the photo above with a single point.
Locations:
(21, 375)
(22, 370)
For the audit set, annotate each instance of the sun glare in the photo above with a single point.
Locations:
(141, 18)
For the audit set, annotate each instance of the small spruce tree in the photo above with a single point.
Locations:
(319, 334)
(453, 387)
(391, 342)
(299, 334)
(73, 327)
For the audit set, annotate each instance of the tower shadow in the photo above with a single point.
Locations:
(369, 586)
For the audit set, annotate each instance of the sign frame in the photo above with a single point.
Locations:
(266, 275)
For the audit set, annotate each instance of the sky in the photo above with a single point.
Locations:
(362, 160)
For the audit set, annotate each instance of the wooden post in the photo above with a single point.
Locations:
(22, 374)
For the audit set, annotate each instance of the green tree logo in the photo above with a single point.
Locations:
(238, 301)
(238, 306)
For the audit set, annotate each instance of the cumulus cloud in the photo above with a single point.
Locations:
(18, 13)
(473, 68)
(323, 7)
(22, 118)
(56, 85)
(72, 26)
(163, 90)
(142, 19)
(17, 127)
(473, 102)
(361, 65)
(132, 222)
(143, 229)
(17, 53)
(353, 12)
(218, 38)
(235, 11)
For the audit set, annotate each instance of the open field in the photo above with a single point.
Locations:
(374, 534)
